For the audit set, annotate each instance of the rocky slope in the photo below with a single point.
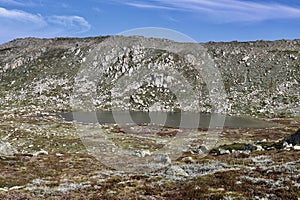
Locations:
(260, 78)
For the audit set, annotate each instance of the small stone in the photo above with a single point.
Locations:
(223, 151)
(238, 183)
(259, 148)
(296, 147)
(143, 153)
(97, 187)
(202, 149)
(188, 160)
(293, 57)
(6, 149)
(176, 171)
(246, 58)
(287, 146)
(16, 187)
(3, 189)
(42, 152)
(112, 192)
(163, 159)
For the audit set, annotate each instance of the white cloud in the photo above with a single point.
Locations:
(21, 16)
(226, 10)
(15, 2)
(18, 23)
(143, 5)
(76, 24)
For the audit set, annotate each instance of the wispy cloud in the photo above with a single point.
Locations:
(225, 10)
(18, 23)
(16, 2)
(75, 23)
(152, 6)
(172, 19)
(98, 10)
(19, 15)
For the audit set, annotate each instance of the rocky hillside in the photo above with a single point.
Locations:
(260, 78)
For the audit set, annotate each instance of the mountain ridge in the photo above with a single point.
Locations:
(261, 78)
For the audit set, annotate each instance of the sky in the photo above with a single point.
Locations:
(202, 20)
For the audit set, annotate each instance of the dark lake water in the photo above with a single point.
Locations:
(167, 119)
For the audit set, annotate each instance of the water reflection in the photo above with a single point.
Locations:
(167, 119)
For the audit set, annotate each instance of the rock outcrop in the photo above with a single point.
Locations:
(293, 139)
(6, 149)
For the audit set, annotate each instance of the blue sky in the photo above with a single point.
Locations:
(203, 20)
